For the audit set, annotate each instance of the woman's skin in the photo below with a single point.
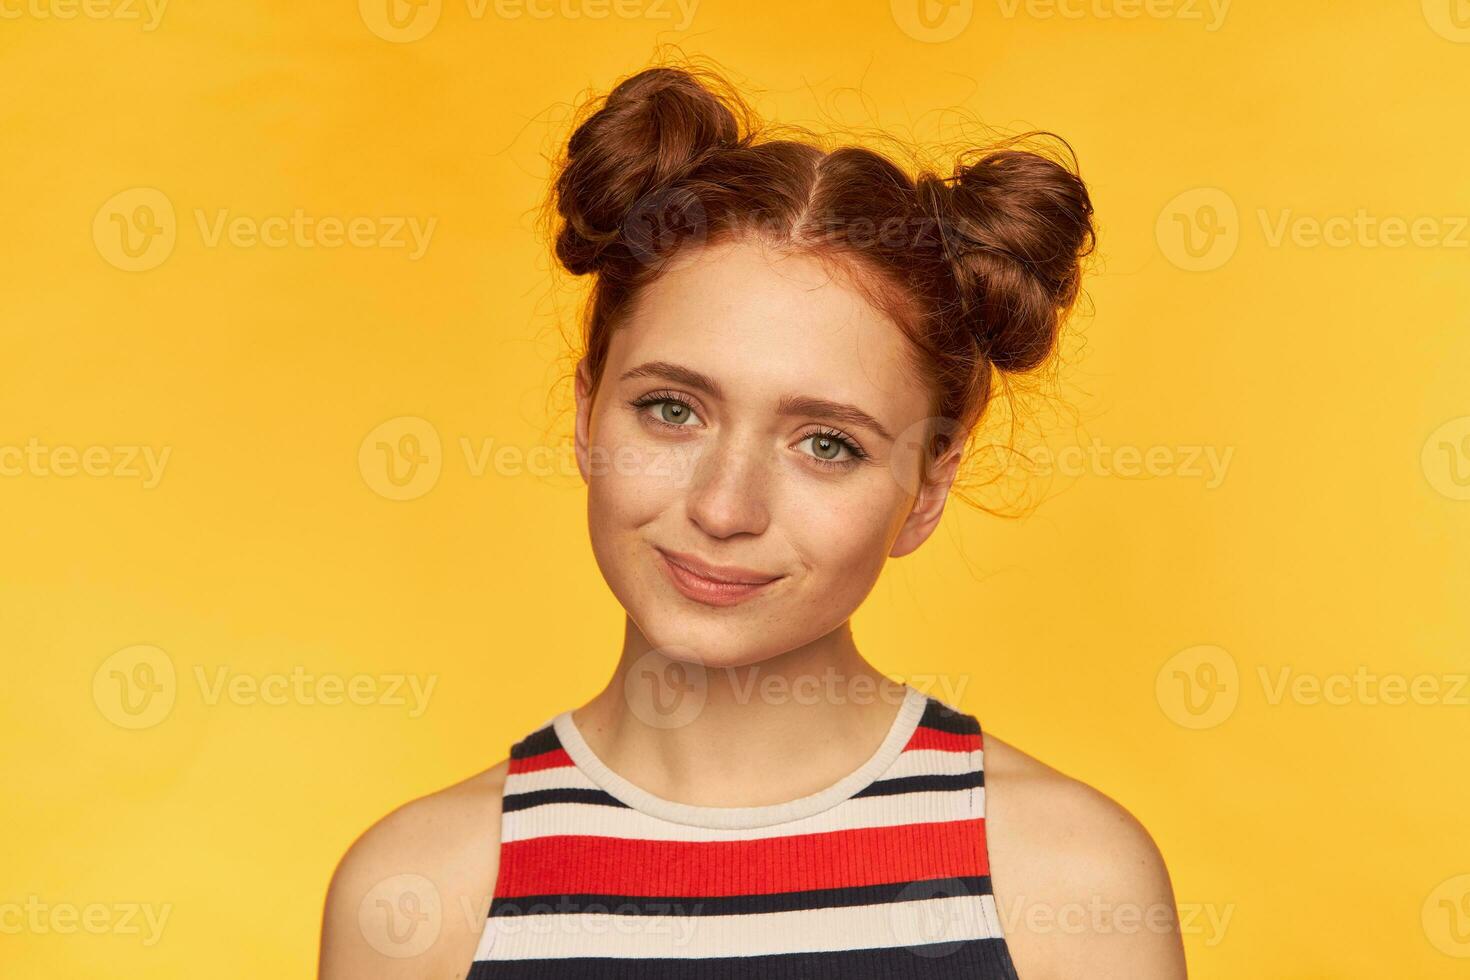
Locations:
(731, 330)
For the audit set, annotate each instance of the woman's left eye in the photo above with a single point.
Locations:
(828, 449)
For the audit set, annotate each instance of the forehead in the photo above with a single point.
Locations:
(766, 322)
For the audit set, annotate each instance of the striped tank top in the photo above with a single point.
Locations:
(883, 874)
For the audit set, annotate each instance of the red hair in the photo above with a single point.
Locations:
(977, 268)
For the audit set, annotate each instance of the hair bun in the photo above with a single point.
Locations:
(1016, 226)
(650, 131)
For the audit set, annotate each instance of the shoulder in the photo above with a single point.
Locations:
(1080, 886)
(410, 896)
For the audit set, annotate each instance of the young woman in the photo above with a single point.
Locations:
(785, 351)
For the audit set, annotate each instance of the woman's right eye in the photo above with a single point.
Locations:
(669, 411)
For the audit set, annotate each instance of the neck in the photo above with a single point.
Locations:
(753, 735)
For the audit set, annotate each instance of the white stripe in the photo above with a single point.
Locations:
(557, 777)
(915, 762)
(552, 819)
(896, 924)
(918, 762)
(932, 762)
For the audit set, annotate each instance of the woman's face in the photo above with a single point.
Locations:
(755, 413)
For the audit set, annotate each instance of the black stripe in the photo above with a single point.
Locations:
(971, 959)
(537, 797)
(539, 741)
(946, 719)
(923, 784)
(818, 898)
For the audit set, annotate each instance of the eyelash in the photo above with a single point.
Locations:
(859, 455)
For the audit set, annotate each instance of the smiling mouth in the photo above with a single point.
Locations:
(712, 587)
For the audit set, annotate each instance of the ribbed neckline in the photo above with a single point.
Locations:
(728, 817)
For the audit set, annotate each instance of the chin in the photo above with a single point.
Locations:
(715, 645)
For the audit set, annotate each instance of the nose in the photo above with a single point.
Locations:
(730, 489)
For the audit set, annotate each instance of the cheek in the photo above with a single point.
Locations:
(843, 535)
(628, 488)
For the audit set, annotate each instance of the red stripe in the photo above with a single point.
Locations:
(933, 738)
(542, 760)
(567, 864)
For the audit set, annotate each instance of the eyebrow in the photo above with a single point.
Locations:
(789, 405)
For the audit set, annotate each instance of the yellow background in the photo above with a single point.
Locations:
(1336, 376)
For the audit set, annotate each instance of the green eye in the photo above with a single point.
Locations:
(825, 447)
(671, 411)
(674, 413)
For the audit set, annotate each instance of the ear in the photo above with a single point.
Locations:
(584, 417)
(928, 503)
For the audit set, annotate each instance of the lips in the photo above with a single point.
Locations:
(714, 585)
(724, 574)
